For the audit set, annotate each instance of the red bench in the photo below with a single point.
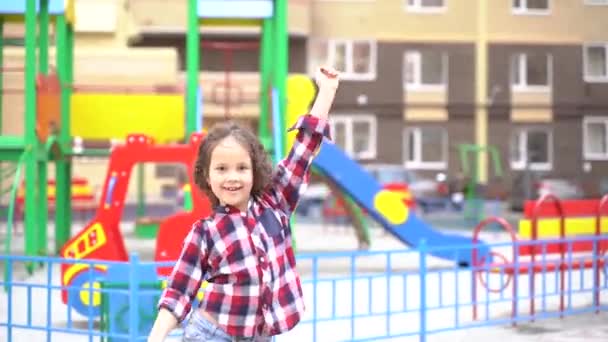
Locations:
(550, 227)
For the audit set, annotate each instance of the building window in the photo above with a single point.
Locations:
(532, 148)
(531, 72)
(425, 148)
(595, 59)
(531, 6)
(425, 70)
(355, 59)
(426, 6)
(355, 134)
(595, 135)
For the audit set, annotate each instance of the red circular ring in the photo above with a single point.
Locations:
(485, 283)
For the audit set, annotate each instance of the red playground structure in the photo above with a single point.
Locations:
(101, 238)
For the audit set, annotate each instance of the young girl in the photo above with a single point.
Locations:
(243, 250)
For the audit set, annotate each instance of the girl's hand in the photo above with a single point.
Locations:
(327, 77)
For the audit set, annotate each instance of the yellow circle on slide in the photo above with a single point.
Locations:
(390, 205)
(84, 294)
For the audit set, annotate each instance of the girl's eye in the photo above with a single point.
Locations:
(220, 168)
(243, 167)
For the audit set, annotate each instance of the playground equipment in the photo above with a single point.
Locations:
(473, 201)
(115, 112)
(11, 203)
(46, 131)
(388, 207)
(346, 206)
(102, 238)
(549, 227)
(56, 109)
(271, 16)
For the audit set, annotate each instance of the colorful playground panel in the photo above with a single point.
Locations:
(580, 207)
(580, 218)
(107, 116)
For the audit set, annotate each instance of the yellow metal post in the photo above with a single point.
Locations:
(481, 84)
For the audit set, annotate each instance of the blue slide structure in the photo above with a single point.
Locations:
(364, 189)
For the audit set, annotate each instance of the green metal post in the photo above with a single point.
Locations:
(188, 203)
(10, 216)
(265, 76)
(141, 194)
(192, 67)
(281, 53)
(63, 169)
(1, 78)
(1, 66)
(43, 41)
(471, 194)
(43, 48)
(31, 142)
(280, 41)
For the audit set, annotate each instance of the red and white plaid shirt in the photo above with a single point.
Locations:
(247, 257)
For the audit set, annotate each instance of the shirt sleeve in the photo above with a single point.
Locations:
(292, 172)
(187, 275)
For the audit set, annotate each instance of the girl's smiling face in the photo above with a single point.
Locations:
(231, 173)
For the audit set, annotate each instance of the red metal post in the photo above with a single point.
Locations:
(228, 88)
(562, 233)
(603, 204)
(477, 263)
(228, 48)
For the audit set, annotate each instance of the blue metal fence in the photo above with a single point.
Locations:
(355, 296)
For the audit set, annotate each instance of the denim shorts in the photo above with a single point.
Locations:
(199, 329)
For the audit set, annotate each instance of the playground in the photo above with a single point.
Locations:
(391, 272)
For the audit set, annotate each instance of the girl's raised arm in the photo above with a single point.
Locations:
(292, 172)
(327, 80)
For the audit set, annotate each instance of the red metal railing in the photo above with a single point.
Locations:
(562, 235)
(478, 263)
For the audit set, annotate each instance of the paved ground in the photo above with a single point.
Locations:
(587, 327)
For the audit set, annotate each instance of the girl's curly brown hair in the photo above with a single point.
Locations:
(262, 168)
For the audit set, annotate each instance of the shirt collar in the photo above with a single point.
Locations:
(229, 209)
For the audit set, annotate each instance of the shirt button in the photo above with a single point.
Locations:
(227, 209)
(262, 259)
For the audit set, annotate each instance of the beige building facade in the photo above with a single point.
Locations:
(415, 84)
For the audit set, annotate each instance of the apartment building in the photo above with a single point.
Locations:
(411, 91)
(412, 88)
